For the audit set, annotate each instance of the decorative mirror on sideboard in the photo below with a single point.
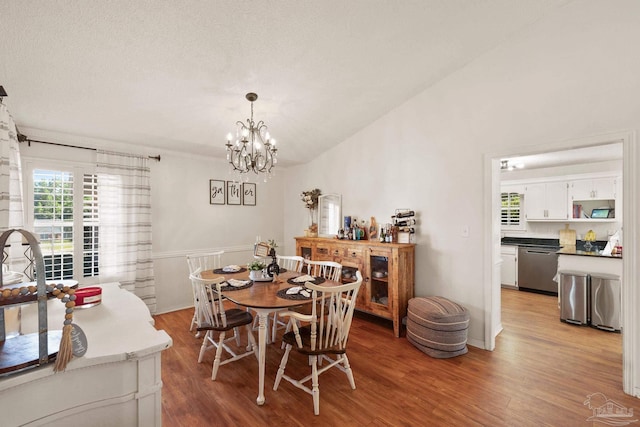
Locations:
(329, 214)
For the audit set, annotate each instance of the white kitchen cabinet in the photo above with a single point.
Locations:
(594, 193)
(593, 189)
(546, 201)
(509, 266)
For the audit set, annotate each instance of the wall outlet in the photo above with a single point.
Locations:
(465, 231)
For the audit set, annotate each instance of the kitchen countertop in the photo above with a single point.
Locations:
(578, 249)
(573, 250)
(530, 241)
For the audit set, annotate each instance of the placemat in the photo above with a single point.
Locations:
(282, 293)
(221, 271)
(228, 288)
(316, 281)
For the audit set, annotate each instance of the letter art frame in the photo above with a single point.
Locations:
(249, 194)
(217, 193)
(234, 193)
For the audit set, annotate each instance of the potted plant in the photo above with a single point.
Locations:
(255, 269)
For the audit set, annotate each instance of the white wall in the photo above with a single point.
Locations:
(572, 75)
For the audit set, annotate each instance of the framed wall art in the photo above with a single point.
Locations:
(249, 194)
(234, 193)
(216, 192)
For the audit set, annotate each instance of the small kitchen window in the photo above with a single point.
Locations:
(511, 210)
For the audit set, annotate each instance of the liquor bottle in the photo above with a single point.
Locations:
(388, 235)
(382, 235)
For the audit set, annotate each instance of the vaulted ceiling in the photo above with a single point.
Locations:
(174, 74)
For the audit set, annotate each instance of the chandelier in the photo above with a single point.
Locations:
(252, 149)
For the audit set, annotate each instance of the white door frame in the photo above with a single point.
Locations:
(630, 237)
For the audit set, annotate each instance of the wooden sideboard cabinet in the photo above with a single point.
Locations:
(387, 270)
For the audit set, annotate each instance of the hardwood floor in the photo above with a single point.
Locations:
(539, 375)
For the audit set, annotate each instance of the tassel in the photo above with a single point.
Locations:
(65, 353)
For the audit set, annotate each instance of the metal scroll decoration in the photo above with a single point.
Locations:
(42, 290)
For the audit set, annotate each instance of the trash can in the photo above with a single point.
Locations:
(574, 297)
(606, 302)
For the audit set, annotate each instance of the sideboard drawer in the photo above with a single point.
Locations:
(324, 253)
(353, 253)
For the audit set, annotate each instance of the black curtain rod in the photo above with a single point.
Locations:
(22, 138)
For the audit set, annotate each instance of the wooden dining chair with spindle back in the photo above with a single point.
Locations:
(216, 319)
(329, 270)
(201, 262)
(323, 338)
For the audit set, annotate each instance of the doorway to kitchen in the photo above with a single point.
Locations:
(493, 235)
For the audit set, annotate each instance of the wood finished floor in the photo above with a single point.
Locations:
(539, 375)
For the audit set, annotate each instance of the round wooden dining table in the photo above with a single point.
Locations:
(263, 299)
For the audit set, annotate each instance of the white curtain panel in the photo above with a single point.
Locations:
(124, 206)
(11, 208)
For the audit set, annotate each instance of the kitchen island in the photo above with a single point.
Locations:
(575, 258)
(573, 250)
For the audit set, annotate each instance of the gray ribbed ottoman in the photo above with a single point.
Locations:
(437, 326)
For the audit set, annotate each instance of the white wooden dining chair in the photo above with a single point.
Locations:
(329, 270)
(290, 262)
(204, 261)
(201, 262)
(218, 319)
(325, 337)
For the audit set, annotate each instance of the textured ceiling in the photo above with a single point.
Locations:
(173, 74)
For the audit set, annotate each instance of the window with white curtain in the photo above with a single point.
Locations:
(61, 200)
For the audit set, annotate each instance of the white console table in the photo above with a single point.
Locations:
(116, 383)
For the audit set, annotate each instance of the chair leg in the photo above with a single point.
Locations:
(208, 336)
(194, 322)
(283, 363)
(236, 333)
(196, 319)
(216, 362)
(348, 371)
(315, 390)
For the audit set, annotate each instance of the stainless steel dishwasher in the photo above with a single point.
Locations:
(537, 267)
